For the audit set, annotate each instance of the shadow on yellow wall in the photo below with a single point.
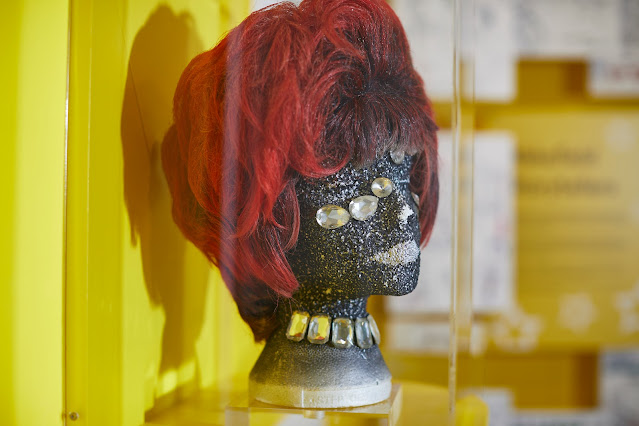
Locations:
(160, 51)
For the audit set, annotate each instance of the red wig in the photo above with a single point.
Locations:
(292, 91)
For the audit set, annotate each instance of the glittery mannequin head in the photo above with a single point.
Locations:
(378, 255)
(374, 250)
(294, 98)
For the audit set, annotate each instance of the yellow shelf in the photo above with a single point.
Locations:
(418, 404)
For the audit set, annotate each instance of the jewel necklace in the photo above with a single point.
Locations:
(341, 332)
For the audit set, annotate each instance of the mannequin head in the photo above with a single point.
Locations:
(293, 101)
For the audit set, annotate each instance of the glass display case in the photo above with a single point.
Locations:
(152, 334)
(526, 310)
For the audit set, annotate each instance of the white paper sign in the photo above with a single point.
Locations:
(616, 74)
(614, 78)
(493, 232)
(433, 337)
(495, 51)
(619, 385)
(562, 418)
(567, 28)
(429, 27)
(500, 402)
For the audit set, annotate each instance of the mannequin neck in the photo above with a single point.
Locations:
(303, 374)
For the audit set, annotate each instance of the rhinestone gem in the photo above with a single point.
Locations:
(363, 333)
(342, 333)
(331, 217)
(319, 329)
(362, 208)
(297, 326)
(382, 187)
(374, 330)
(415, 198)
(397, 156)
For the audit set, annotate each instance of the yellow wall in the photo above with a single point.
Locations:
(33, 84)
(148, 320)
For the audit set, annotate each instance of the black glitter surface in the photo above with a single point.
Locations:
(339, 268)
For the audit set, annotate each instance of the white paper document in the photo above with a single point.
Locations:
(566, 28)
(495, 57)
(616, 74)
(619, 385)
(429, 27)
(489, 40)
(493, 233)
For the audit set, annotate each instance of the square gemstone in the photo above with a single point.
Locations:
(297, 326)
(319, 329)
(374, 330)
(363, 333)
(342, 333)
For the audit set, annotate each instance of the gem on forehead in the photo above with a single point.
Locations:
(362, 208)
(331, 217)
(382, 187)
(397, 156)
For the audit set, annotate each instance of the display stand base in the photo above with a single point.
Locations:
(412, 404)
(245, 413)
